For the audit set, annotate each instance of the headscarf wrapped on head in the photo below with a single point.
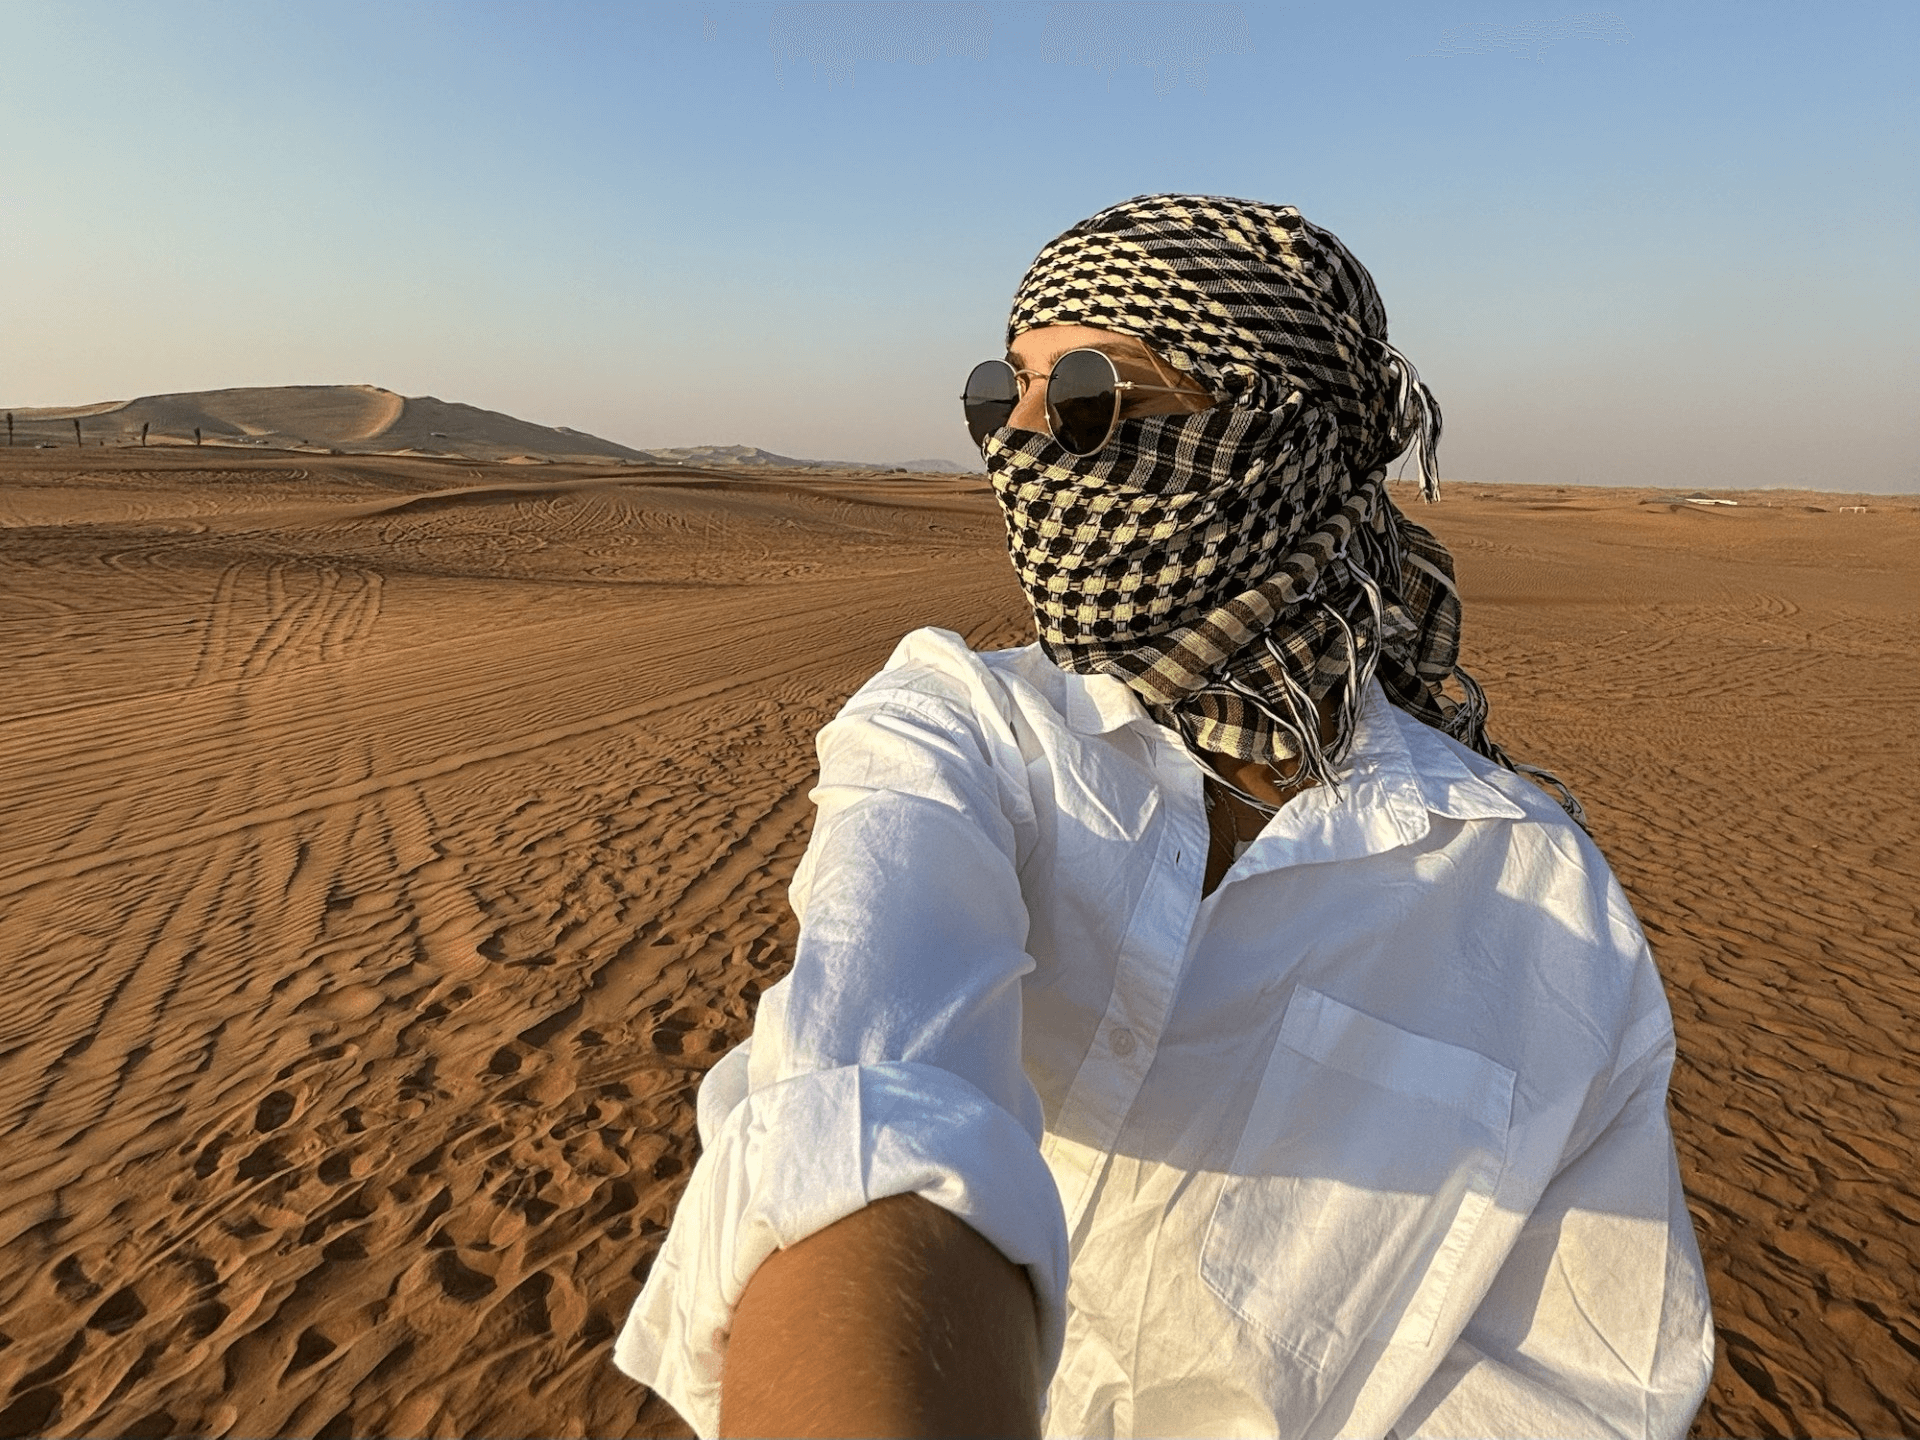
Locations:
(1241, 566)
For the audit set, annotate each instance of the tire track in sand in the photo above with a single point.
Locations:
(386, 1004)
(300, 616)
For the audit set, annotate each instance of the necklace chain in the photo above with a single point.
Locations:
(1220, 807)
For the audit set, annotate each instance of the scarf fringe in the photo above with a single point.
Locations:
(1418, 414)
(1290, 708)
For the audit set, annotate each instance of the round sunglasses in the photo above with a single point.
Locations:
(1083, 399)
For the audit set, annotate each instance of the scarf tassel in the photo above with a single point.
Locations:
(1417, 411)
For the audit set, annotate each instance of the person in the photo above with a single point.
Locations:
(1198, 1025)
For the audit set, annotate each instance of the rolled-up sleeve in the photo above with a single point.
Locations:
(889, 1061)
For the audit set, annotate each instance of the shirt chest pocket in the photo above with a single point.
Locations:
(1370, 1156)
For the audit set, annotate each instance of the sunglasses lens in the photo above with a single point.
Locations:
(992, 392)
(1082, 401)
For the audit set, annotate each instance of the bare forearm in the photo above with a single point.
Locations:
(898, 1320)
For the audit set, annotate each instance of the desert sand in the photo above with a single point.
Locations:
(388, 846)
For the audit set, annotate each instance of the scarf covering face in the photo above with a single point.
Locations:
(1239, 566)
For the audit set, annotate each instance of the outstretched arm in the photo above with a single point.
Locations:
(887, 1066)
(898, 1320)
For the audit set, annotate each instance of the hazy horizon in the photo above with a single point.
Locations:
(1625, 247)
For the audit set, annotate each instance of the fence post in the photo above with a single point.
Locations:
(76, 433)
(143, 434)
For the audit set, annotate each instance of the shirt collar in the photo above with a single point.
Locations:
(1399, 774)
(1099, 704)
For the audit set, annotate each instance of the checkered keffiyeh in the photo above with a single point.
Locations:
(1238, 566)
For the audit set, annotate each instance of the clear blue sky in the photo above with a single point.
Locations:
(1667, 243)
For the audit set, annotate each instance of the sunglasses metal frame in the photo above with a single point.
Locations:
(1117, 385)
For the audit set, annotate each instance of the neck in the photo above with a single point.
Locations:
(1258, 779)
(1268, 782)
(1231, 820)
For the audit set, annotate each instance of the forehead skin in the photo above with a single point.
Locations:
(1037, 349)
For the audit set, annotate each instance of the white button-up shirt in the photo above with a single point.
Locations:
(1371, 1140)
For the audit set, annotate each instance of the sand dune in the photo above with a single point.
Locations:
(346, 419)
(387, 847)
(366, 420)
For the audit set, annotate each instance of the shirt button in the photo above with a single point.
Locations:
(1120, 1041)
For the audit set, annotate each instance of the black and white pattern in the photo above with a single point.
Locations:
(1237, 566)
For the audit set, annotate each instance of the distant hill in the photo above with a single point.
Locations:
(366, 420)
(750, 455)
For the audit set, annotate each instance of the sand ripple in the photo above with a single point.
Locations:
(389, 847)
